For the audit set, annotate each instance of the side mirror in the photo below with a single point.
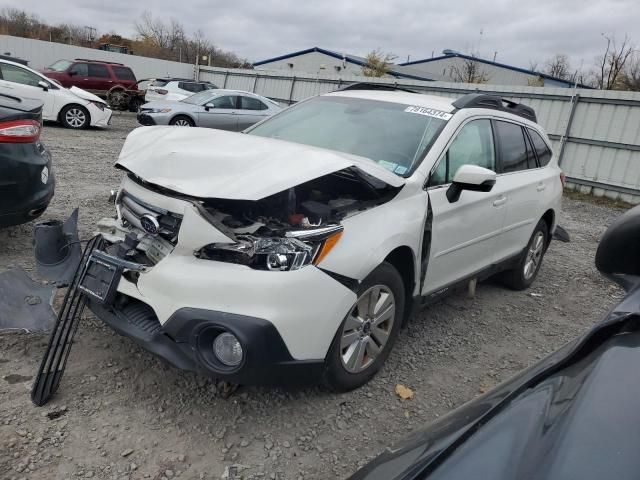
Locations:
(43, 85)
(618, 254)
(208, 106)
(471, 177)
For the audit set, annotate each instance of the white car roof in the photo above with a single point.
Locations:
(398, 96)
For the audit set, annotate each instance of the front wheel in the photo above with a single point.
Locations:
(526, 271)
(75, 116)
(182, 121)
(365, 338)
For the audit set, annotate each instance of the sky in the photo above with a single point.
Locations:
(520, 32)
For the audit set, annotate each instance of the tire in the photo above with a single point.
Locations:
(344, 368)
(522, 276)
(75, 116)
(182, 121)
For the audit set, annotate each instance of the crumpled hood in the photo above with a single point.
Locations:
(78, 92)
(208, 163)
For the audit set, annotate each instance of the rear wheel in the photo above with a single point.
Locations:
(182, 121)
(365, 338)
(75, 116)
(526, 271)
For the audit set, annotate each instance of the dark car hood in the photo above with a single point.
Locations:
(573, 415)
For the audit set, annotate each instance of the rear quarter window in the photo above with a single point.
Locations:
(540, 146)
(124, 73)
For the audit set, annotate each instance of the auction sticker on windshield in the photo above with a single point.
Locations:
(429, 112)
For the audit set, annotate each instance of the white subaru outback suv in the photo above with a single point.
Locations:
(293, 252)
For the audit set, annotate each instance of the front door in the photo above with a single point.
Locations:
(221, 115)
(463, 232)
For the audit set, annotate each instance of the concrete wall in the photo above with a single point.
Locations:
(41, 54)
(601, 154)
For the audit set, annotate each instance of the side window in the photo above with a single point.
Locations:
(80, 69)
(14, 74)
(540, 147)
(472, 146)
(189, 87)
(99, 71)
(513, 149)
(250, 103)
(124, 73)
(224, 102)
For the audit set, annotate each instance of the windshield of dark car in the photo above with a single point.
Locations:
(60, 65)
(200, 98)
(395, 136)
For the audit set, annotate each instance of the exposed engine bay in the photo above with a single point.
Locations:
(284, 231)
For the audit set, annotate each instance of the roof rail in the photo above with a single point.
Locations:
(97, 61)
(374, 86)
(494, 102)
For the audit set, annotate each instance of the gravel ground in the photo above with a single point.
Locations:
(121, 413)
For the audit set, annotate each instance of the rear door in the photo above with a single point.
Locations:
(20, 82)
(524, 184)
(251, 111)
(99, 80)
(464, 232)
(222, 114)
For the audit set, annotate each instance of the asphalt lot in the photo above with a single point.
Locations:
(121, 413)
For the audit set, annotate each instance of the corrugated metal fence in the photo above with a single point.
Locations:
(600, 152)
(41, 54)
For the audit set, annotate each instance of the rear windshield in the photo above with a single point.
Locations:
(395, 136)
(159, 83)
(124, 73)
(60, 65)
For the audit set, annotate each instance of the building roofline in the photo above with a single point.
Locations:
(495, 64)
(344, 57)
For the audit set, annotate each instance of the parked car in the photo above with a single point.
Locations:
(73, 108)
(222, 109)
(26, 178)
(175, 89)
(294, 252)
(109, 80)
(572, 415)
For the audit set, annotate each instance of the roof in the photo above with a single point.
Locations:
(400, 96)
(495, 64)
(395, 71)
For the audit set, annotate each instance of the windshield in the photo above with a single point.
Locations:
(200, 98)
(395, 136)
(60, 65)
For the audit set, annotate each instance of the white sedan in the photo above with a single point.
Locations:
(73, 108)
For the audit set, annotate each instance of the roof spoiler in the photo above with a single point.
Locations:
(374, 86)
(493, 102)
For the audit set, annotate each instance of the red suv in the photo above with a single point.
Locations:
(95, 76)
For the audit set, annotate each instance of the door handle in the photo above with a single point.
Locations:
(501, 200)
(541, 186)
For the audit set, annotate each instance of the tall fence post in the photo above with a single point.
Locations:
(293, 82)
(226, 75)
(255, 81)
(563, 141)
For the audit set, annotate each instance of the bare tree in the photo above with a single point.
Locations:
(611, 64)
(377, 64)
(631, 74)
(559, 67)
(470, 71)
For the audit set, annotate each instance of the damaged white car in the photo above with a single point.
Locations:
(294, 252)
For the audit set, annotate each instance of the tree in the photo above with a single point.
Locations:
(631, 74)
(377, 64)
(611, 64)
(559, 67)
(470, 71)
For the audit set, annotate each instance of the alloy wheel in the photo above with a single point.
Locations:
(181, 122)
(75, 117)
(534, 255)
(367, 328)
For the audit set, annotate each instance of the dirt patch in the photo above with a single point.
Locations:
(117, 398)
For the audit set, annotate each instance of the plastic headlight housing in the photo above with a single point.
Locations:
(100, 105)
(292, 252)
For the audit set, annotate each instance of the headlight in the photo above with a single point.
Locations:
(157, 110)
(292, 252)
(100, 105)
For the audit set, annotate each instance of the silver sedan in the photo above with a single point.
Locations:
(223, 109)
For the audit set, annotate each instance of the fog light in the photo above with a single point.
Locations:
(227, 349)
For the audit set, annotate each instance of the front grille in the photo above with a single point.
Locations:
(145, 120)
(132, 209)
